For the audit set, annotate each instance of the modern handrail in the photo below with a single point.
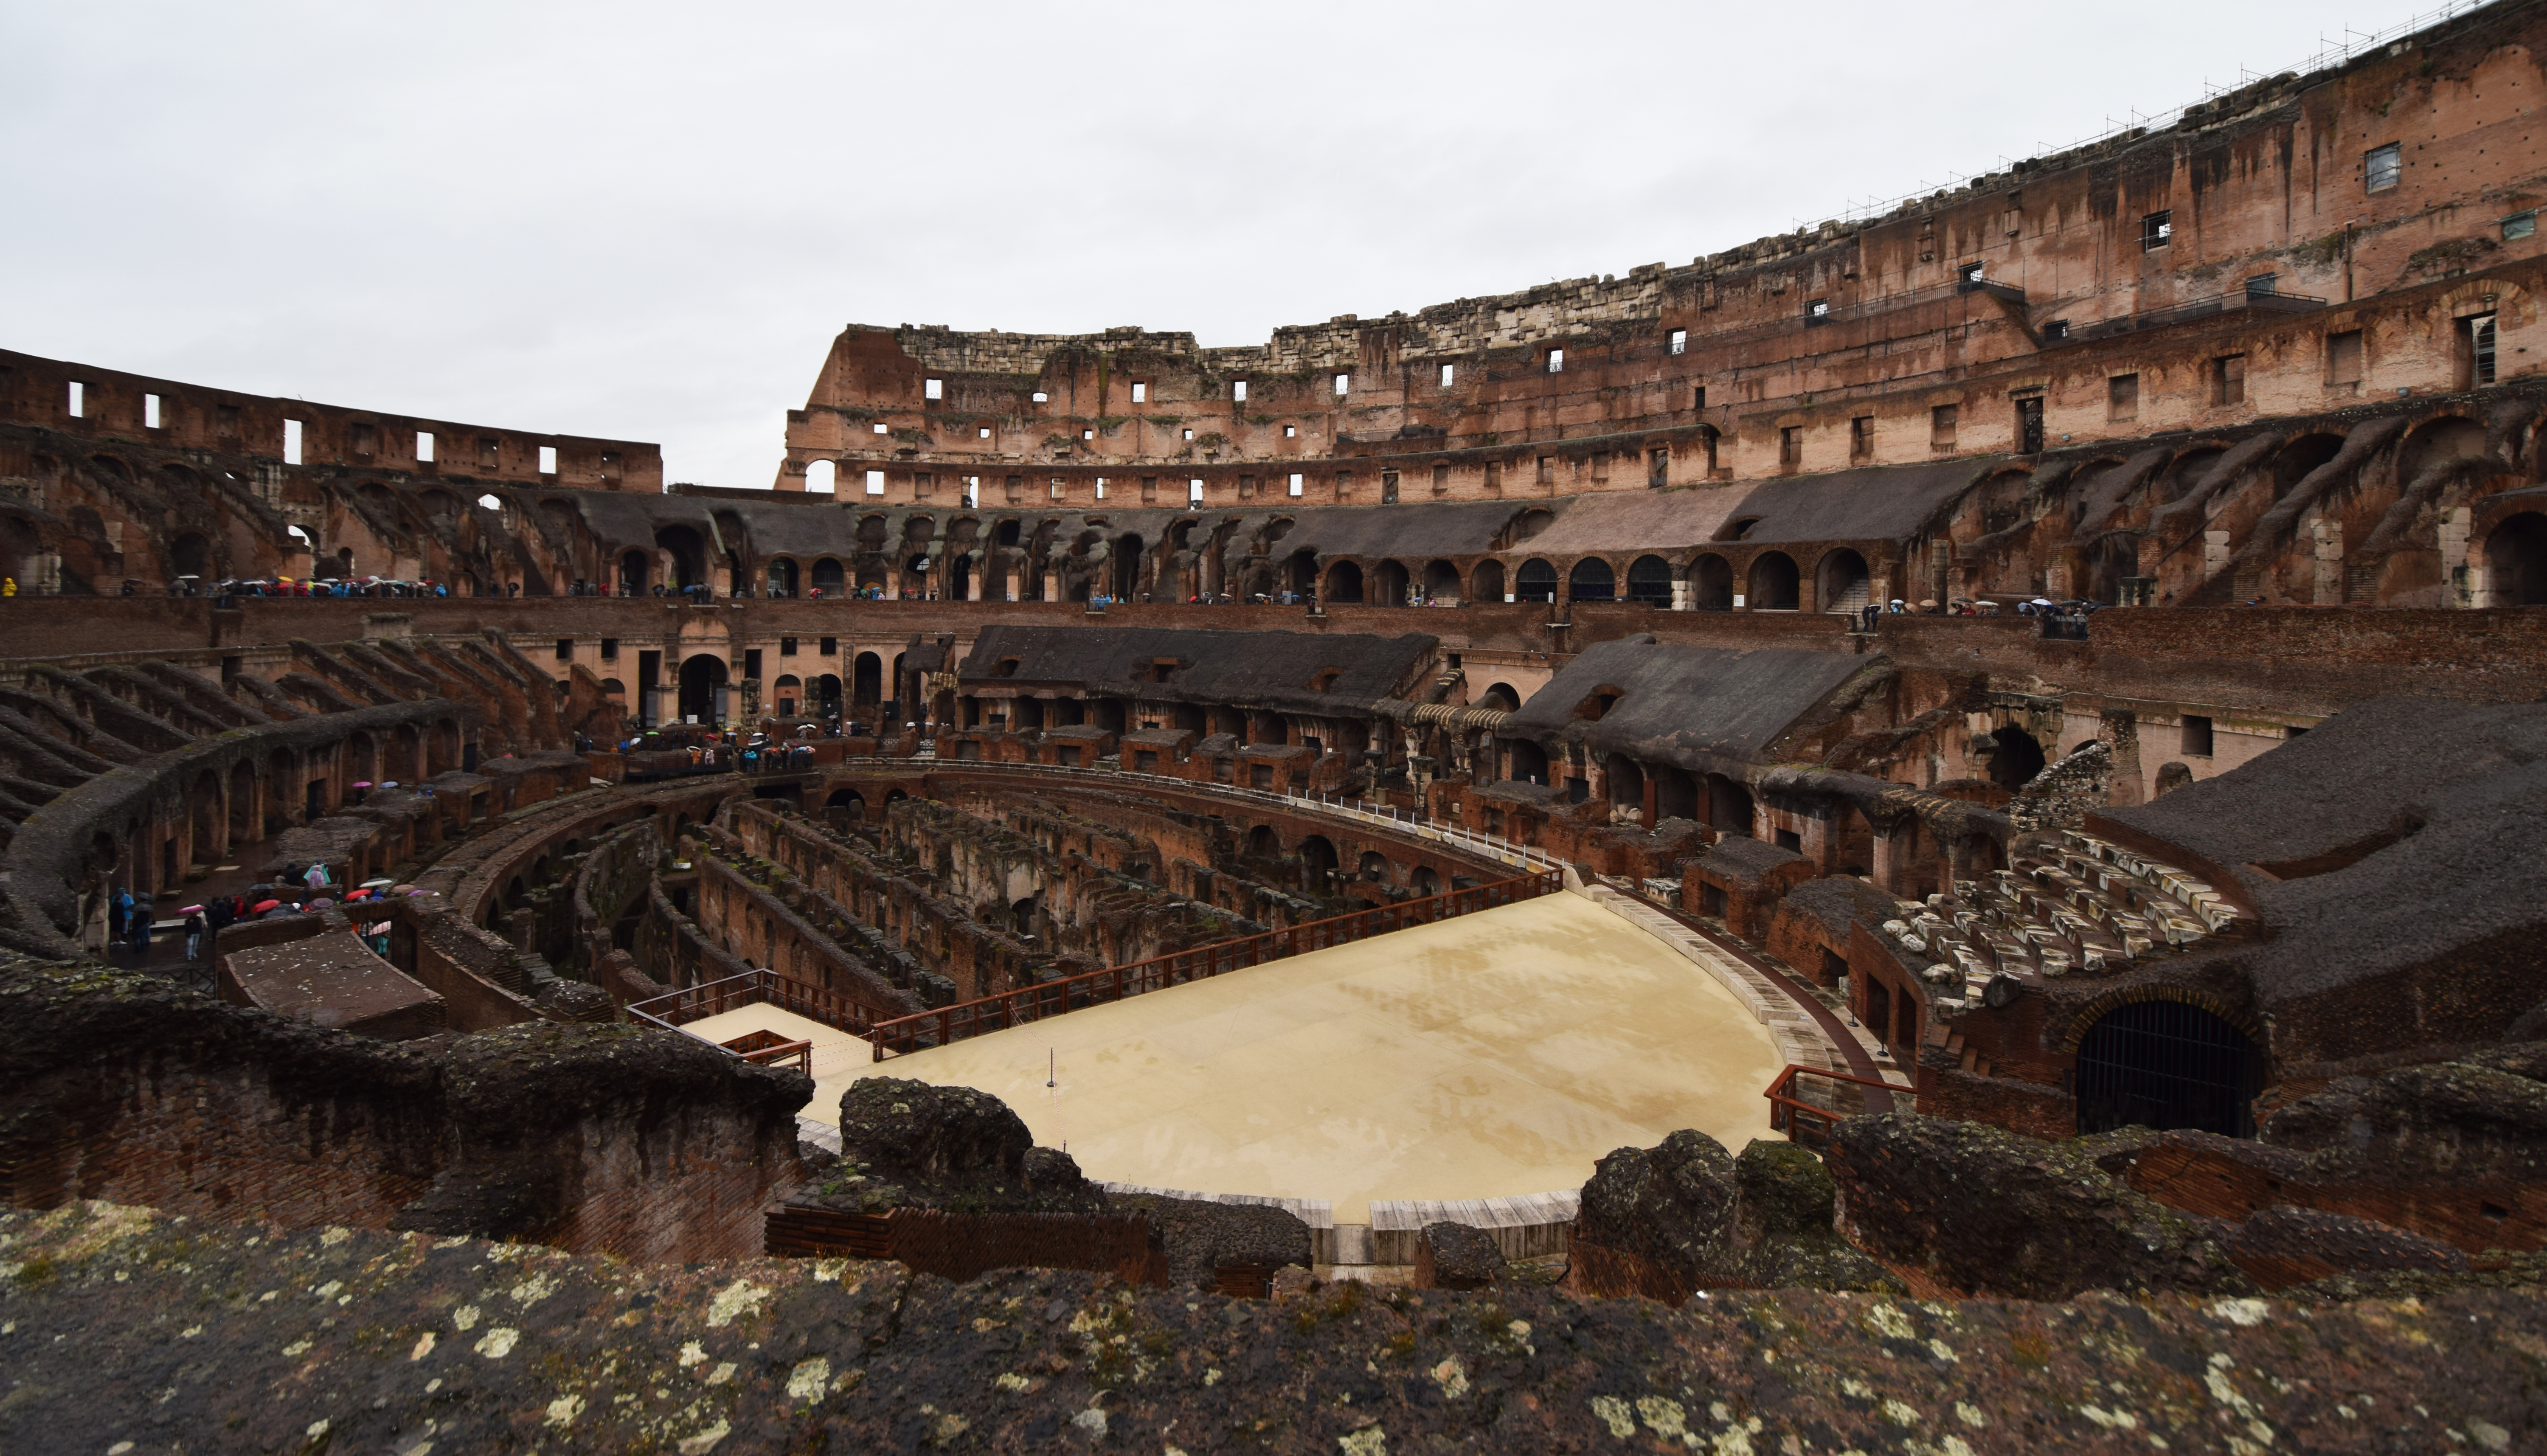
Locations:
(948, 1024)
(756, 988)
(1785, 1107)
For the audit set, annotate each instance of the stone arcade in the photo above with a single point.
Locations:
(1502, 706)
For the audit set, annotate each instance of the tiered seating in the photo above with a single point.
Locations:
(2088, 905)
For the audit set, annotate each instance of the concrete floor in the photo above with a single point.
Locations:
(1497, 1054)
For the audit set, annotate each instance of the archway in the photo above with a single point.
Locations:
(1711, 584)
(1592, 580)
(827, 692)
(1317, 865)
(636, 574)
(1649, 581)
(1627, 785)
(959, 578)
(2306, 453)
(1300, 572)
(787, 690)
(1730, 808)
(866, 680)
(2015, 758)
(1343, 582)
(1127, 569)
(1774, 582)
(688, 552)
(1536, 582)
(1675, 794)
(1262, 843)
(1426, 882)
(827, 576)
(1528, 761)
(2515, 561)
(2163, 1065)
(1442, 583)
(1374, 868)
(821, 478)
(782, 578)
(191, 555)
(1486, 583)
(701, 675)
(1388, 584)
(1500, 697)
(1840, 582)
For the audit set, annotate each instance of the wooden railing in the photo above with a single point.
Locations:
(758, 988)
(1788, 1111)
(1095, 987)
(770, 1049)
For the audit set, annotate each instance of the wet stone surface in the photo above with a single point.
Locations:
(119, 1326)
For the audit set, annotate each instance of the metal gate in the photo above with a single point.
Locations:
(2167, 1065)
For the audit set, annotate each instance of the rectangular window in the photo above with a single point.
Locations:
(1194, 492)
(934, 389)
(751, 662)
(1791, 446)
(79, 400)
(1101, 487)
(1679, 341)
(2122, 398)
(2477, 337)
(1188, 434)
(972, 494)
(1967, 276)
(882, 428)
(1860, 437)
(610, 649)
(1238, 390)
(424, 447)
(875, 483)
(2197, 736)
(1448, 372)
(565, 650)
(831, 646)
(2262, 285)
(1658, 467)
(2519, 225)
(2029, 424)
(2158, 229)
(1441, 479)
(1941, 427)
(2229, 380)
(1701, 401)
(225, 420)
(1556, 361)
(2058, 328)
(1040, 397)
(2383, 167)
(149, 411)
(1494, 477)
(983, 433)
(1058, 489)
(292, 442)
(1015, 485)
(1817, 312)
(548, 460)
(1149, 489)
(2343, 358)
(787, 646)
(1140, 391)
(1288, 431)
(1344, 384)
(1387, 488)
(1295, 482)
(1546, 469)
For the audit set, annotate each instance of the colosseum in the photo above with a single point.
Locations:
(1927, 835)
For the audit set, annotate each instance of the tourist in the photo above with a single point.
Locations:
(194, 934)
(140, 935)
(7, 586)
(118, 909)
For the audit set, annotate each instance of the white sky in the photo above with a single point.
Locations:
(646, 221)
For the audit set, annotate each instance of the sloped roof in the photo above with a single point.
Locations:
(1271, 668)
(1698, 707)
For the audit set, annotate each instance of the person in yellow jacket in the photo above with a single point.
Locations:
(7, 586)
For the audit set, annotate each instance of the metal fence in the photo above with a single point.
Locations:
(1116, 982)
(760, 988)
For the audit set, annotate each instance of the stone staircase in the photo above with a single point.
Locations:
(2088, 904)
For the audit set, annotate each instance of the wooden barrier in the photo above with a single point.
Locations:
(1810, 1123)
(1033, 1003)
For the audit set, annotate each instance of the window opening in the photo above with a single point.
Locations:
(1699, 402)
(1188, 434)
(2480, 341)
(2229, 380)
(2197, 736)
(2028, 425)
(934, 389)
(1140, 391)
(149, 411)
(1941, 427)
(2122, 398)
(1290, 430)
(1860, 437)
(79, 400)
(1817, 311)
(1791, 446)
(2343, 358)
(1194, 492)
(1040, 397)
(2519, 225)
(548, 460)
(424, 447)
(292, 442)
(1344, 384)
(1679, 341)
(1295, 482)
(1238, 390)
(985, 432)
(875, 483)
(2058, 328)
(1447, 374)
(1556, 361)
(1101, 487)
(2383, 167)
(882, 428)
(1968, 277)
(2158, 229)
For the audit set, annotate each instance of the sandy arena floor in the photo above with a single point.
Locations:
(1500, 1053)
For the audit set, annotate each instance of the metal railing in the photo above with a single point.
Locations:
(1788, 1110)
(956, 1024)
(759, 988)
(2228, 303)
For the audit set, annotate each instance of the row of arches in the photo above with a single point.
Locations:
(1769, 582)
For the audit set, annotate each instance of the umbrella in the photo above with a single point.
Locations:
(321, 904)
(381, 882)
(191, 910)
(362, 783)
(1928, 604)
(403, 890)
(263, 906)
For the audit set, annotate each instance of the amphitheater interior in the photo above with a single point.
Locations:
(1921, 834)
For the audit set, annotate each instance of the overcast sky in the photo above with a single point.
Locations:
(645, 220)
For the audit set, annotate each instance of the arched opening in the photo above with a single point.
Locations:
(688, 552)
(1486, 583)
(1774, 582)
(782, 578)
(1425, 881)
(1626, 786)
(2515, 561)
(1841, 582)
(1728, 807)
(866, 680)
(1388, 584)
(2015, 758)
(1536, 582)
(2163, 1065)
(1441, 583)
(1127, 569)
(788, 691)
(821, 478)
(1317, 865)
(701, 676)
(1300, 572)
(2304, 454)
(827, 692)
(636, 574)
(191, 555)
(1374, 868)
(1344, 583)
(1262, 843)
(829, 578)
(959, 578)
(1649, 581)
(2437, 442)
(1501, 697)
(1592, 580)
(1711, 584)
(1529, 760)
(1676, 794)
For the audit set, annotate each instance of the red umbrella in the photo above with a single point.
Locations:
(263, 906)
